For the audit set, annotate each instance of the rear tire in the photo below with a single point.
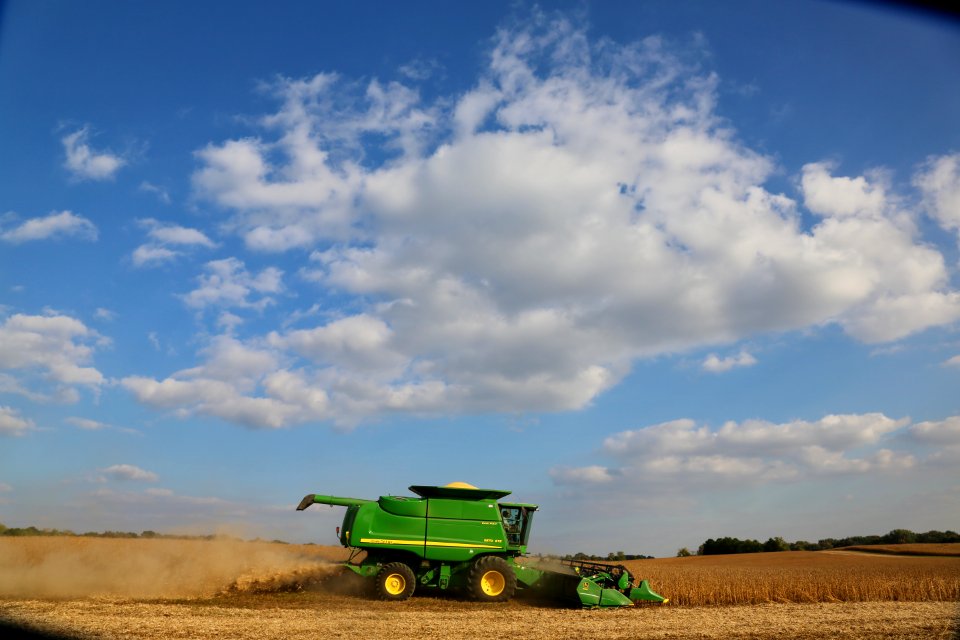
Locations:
(491, 580)
(395, 581)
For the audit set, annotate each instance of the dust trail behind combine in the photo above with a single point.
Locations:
(69, 567)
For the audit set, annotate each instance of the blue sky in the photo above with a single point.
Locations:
(672, 271)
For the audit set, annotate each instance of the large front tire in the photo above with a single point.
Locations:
(395, 581)
(491, 580)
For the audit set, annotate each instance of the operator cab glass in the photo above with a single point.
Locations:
(516, 523)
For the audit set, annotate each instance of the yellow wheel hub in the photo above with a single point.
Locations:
(493, 583)
(395, 584)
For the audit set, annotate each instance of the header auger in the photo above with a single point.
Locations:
(459, 536)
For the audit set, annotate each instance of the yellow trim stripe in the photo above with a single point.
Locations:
(429, 543)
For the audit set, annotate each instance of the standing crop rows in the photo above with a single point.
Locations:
(802, 577)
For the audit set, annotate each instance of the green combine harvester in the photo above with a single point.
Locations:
(459, 536)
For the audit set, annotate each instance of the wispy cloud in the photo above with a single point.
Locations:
(94, 425)
(87, 424)
(130, 472)
(162, 194)
(594, 474)
(174, 234)
(167, 242)
(421, 69)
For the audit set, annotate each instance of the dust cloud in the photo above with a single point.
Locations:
(67, 567)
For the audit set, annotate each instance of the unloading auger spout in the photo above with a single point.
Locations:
(459, 536)
(335, 501)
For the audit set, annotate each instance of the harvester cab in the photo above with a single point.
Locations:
(459, 536)
(516, 522)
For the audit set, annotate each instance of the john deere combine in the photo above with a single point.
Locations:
(459, 536)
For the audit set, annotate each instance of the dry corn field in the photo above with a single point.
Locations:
(801, 577)
(97, 588)
(947, 549)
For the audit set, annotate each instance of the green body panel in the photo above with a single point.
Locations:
(589, 593)
(448, 508)
(363, 570)
(527, 576)
(400, 506)
(612, 598)
(644, 592)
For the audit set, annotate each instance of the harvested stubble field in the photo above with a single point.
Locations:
(94, 588)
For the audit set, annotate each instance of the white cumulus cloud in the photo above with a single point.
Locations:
(841, 197)
(57, 346)
(943, 432)
(753, 451)
(55, 225)
(943, 435)
(85, 163)
(148, 255)
(355, 342)
(227, 283)
(939, 182)
(12, 424)
(518, 247)
(239, 384)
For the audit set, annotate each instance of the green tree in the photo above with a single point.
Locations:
(776, 544)
(899, 536)
(683, 552)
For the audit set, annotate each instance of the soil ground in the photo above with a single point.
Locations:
(327, 615)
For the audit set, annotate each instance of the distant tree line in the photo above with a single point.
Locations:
(720, 546)
(610, 557)
(34, 531)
